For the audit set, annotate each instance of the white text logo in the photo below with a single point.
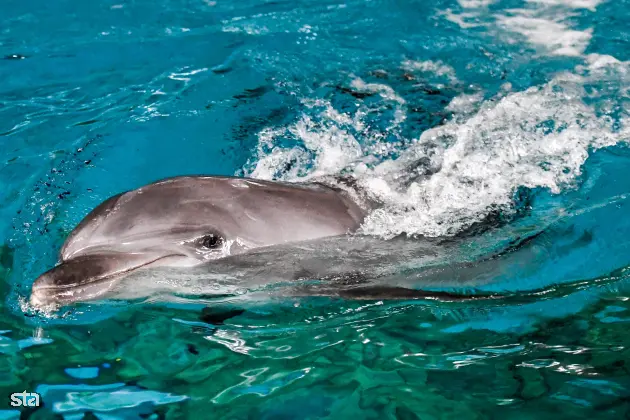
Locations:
(26, 399)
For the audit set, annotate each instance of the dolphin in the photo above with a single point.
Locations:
(200, 236)
(189, 221)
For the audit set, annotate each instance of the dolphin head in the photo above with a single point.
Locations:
(188, 221)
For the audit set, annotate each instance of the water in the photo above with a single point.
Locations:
(458, 116)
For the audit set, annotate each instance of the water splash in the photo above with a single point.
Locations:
(456, 174)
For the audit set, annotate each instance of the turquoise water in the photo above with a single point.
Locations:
(480, 118)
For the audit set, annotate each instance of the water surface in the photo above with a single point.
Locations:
(459, 116)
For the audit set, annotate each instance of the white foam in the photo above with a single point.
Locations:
(573, 4)
(465, 104)
(328, 148)
(606, 66)
(327, 139)
(437, 68)
(464, 20)
(542, 23)
(385, 91)
(470, 166)
(249, 29)
(475, 4)
(549, 35)
(537, 138)
(492, 153)
(597, 61)
(327, 145)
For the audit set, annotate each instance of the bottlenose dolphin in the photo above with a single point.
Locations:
(188, 221)
(197, 236)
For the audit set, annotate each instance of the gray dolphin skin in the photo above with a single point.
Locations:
(189, 221)
(202, 238)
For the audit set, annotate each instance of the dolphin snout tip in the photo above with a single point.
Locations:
(40, 296)
(37, 299)
(41, 301)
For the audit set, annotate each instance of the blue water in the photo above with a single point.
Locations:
(515, 111)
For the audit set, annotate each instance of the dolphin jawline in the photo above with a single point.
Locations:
(45, 294)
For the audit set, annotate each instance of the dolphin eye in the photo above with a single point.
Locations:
(211, 241)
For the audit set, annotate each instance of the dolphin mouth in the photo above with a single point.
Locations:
(87, 277)
(52, 296)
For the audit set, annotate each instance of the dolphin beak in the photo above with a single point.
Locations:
(85, 277)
